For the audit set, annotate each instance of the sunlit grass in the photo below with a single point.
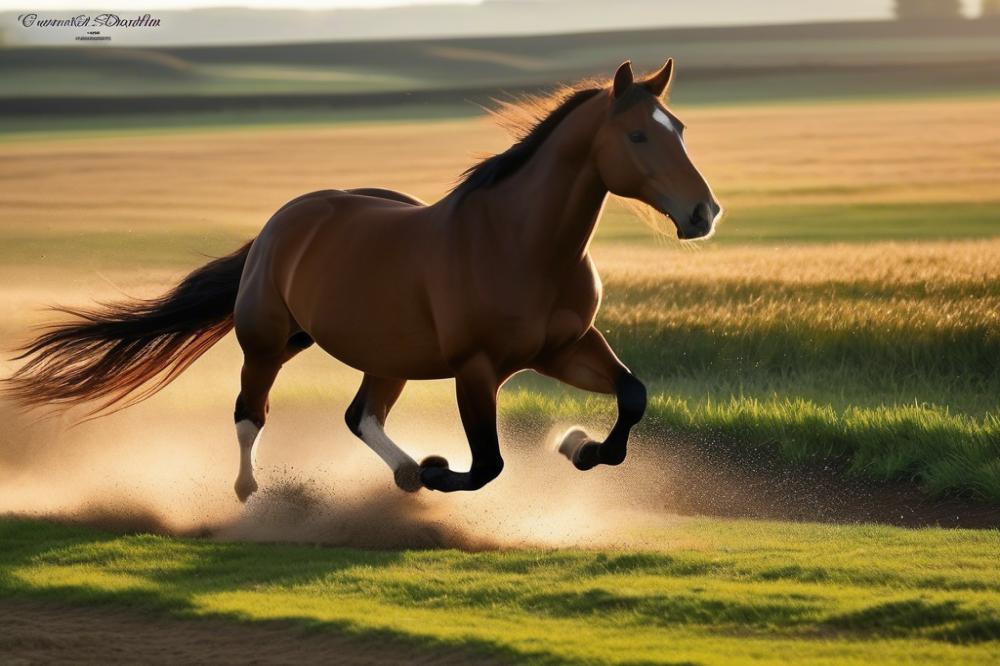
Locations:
(884, 356)
(945, 453)
(718, 592)
(884, 315)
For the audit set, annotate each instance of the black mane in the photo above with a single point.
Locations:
(494, 169)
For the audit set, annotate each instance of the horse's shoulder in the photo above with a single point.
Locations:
(581, 293)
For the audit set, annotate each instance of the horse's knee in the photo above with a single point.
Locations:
(631, 398)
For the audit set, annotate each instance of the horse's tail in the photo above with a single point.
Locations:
(123, 353)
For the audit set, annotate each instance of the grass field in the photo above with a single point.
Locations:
(845, 317)
(718, 593)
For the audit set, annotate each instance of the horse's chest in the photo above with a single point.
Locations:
(530, 327)
(516, 317)
(516, 340)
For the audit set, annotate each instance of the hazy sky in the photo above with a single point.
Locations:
(971, 6)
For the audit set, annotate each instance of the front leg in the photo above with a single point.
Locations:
(590, 364)
(476, 387)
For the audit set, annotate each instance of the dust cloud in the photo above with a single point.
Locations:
(167, 466)
(143, 471)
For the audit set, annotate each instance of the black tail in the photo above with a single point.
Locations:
(117, 349)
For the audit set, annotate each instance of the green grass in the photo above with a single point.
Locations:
(943, 452)
(719, 592)
(862, 340)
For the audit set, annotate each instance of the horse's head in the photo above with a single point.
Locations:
(640, 154)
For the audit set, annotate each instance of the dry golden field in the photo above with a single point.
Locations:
(833, 154)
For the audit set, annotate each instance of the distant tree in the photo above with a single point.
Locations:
(928, 9)
(991, 9)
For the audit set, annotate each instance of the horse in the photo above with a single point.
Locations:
(493, 279)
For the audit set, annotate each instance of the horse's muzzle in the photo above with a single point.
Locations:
(702, 221)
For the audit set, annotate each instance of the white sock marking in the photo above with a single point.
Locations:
(248, 435)
(374, 436)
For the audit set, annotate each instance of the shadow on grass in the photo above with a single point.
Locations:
(676, 609)
(215, 568)
(948, 620)
(45, 561)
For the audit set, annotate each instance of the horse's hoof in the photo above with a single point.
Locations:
(245, 487)
(434, 461)
(407, 478)
(432, 467)
(579, 448)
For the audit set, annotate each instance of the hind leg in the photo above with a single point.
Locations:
(259, 372)
(366, 418)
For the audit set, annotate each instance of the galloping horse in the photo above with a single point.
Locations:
(493, 279)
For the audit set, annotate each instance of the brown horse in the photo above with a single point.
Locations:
(493, 279)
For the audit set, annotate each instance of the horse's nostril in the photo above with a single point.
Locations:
(702, 215)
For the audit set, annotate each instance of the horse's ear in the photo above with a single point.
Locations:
(623, 78)
(659, 83)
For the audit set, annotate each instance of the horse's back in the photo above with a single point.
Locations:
(389, 195)
(295, 228)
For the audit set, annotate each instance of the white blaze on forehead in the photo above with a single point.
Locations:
(662, 118)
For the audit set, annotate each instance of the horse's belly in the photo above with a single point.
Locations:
(366, 307)
(384, 345)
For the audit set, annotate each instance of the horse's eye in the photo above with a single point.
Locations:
(638, 136)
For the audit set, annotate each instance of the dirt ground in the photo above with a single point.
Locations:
(42, 633)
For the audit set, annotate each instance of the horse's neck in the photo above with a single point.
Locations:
(549, 208)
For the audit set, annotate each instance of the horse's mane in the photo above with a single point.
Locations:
(531, 119)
